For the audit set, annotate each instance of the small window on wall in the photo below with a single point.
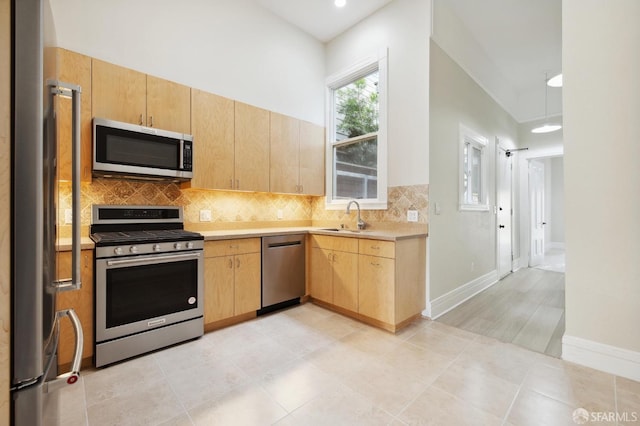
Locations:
(473, 188)
(356, 131)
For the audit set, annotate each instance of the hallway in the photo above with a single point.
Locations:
(525, 308)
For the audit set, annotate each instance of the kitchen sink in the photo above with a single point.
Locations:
(354, 231)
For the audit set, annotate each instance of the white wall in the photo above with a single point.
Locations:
(462, 243)
(233, 48)
(601, 40)
(556, 200)
(404, 27)
(454, 38)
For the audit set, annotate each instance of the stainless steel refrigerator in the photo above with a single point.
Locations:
(35, 322)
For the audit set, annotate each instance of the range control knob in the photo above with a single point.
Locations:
(189, 245)
(177, 246)
(133, 249)
(118, 250)
(156, 247)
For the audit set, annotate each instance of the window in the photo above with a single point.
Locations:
(356, 132)
(473, 192)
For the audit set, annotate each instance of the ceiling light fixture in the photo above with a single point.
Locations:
(340, 3)
(546, 127)
(555, 81)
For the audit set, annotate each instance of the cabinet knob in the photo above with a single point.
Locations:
(237, 262)
(230, 263)
(151, 121)
(141, 121)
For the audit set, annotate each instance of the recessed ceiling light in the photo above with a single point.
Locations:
(340, 3)
(555, 81)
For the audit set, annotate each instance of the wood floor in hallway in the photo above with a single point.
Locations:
(525, 308)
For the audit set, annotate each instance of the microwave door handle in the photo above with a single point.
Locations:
(75, 282)
(181, 165)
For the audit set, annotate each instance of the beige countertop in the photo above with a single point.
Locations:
(64, 244)
(372, 234)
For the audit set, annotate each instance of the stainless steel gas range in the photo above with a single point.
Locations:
(148, 280)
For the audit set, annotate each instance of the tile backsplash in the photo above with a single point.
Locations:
(231, 210)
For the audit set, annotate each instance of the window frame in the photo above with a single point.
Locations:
(358, 70)
(475, 140)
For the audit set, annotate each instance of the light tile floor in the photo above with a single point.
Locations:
(309, 366)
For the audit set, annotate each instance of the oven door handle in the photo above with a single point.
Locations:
(154, 259)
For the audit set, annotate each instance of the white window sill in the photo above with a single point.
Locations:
(474, 207)
(364, 205)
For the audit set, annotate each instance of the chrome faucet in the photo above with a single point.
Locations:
(361, 223)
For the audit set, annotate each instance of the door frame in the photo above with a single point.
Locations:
(500, 151)
(524, 199)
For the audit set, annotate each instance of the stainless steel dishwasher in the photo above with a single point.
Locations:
(283, 270)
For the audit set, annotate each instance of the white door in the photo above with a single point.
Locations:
(505, 257)
(536, 197)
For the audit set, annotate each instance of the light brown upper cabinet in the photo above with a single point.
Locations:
(130, 96)
(74, 68)
(297, 156)
(285, 154)
(168, 105)
(212, 124)
(312, 165)
(118, 93)
(251, 148)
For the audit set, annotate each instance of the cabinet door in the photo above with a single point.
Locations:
(321, 275)
(251, 148)
(118, 93)
(218, 288)
(76, 69)
(213, 134)
(312, 165)
(81, 301)
(285, 153)
(376, 288)
(168, 105)
(247, 283)
(345, 280)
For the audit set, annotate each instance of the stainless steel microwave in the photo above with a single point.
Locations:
(129, 150)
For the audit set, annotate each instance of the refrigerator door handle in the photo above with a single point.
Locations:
(74, 91)
(72, 376)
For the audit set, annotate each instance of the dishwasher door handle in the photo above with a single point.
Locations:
(285, 244)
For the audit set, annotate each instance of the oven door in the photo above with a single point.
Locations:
(140, 293)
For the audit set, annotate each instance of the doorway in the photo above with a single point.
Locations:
(546, 213)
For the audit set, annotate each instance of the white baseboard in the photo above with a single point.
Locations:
(554, 245)
(446, 302)
(515, 264)
(610, 359)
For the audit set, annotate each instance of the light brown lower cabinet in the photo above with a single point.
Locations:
(232, 271)
(334, 271)
(378, 282)
(376, 287)
(82, 302)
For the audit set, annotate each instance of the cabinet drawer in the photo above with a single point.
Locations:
(231, 247)
(377, 248)
(335, 243)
